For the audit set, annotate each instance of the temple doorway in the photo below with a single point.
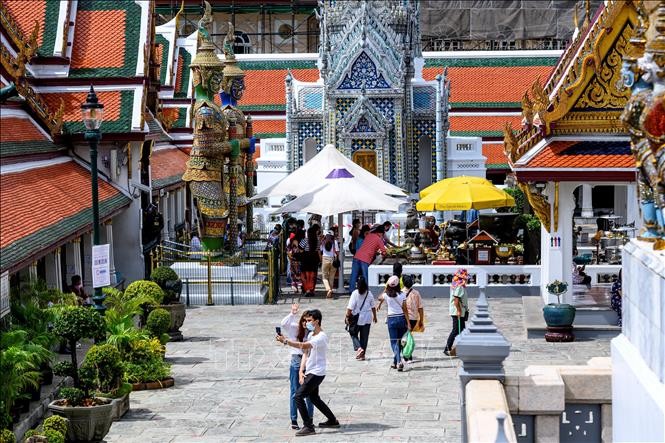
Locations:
(365, 159)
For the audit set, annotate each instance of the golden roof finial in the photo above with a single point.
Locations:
(177, 16)
(576, 21)
(587, 11)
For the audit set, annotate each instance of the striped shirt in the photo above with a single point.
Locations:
(373, 242)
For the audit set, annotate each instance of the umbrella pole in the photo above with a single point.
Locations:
(340, 231)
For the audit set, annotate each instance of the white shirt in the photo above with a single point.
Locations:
(395, 303)
(290, 330)
(333, 250)
(356, 301)
(316, 360)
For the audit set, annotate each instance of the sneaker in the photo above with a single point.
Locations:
(294, 425)
(400, 367)
(305, 431)
(359, 351)
(445, 351)
(329, 424)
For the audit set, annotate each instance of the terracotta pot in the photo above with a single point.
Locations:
(86, 423)
(166, 383)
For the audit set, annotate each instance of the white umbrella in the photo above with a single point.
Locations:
(313, 173)
(341, 192)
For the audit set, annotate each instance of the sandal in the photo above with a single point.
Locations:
(393, 366)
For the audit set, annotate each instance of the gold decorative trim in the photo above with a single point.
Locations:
(538, 202)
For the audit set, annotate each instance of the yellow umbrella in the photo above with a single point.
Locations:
(441, 184)
(464, 193)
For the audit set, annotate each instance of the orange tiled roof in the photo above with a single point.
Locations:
(584, 154)
(37, 198)
(16, 129)
(167, 166)
(25, 13)
(74, 100)
(99, 39)
(266, 87)
(495, 155)
(269, 126)
(489, 84)
(481, 125)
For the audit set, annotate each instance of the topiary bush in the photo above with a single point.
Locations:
(104, 364)
(146, 362)
(145, 288)
(73, 396)
(7, 436)
(168, 280)
(54, 436)
(158, 323)
(75, 323)
(56, 423)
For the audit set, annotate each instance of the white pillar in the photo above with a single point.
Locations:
(32, 272)
(620, 203)
(171, 196)
(633, 206)
(51, 263)
(557, 247)
(58, 268)
(587, 201)
(109, 241)
(73, 259)
(340, 278)
(164, 209)
(183, 203)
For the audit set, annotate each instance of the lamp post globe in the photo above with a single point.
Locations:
(92, 114)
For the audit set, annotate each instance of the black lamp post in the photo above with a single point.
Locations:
(92, 113)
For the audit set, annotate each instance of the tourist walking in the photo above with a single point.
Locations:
(294, 265)
(360, 312)
(414, 304)
(329, 251)
(397, 315)
(365, 255)
(309, 260)
(293, 328)
(312, 373)
(458, 308)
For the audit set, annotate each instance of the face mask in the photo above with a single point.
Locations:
(310, 326)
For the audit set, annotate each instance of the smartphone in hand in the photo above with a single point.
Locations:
(278, 330)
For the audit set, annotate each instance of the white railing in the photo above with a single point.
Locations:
(430, 278)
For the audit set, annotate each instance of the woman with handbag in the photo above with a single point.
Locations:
(329, 248)
(360, 312)
(459, 308)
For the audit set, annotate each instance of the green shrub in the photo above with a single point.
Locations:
(153, 370)
(63, 369)
(7, 436)
(53, 436)
(520, 199)
(30, 432)
(73, 396)
(168, 280)
(56, 423)
(105, 363)
(144, 350)
(145, 288)
(159, 321)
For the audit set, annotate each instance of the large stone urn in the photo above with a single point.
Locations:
(177, 311)
(120, 406)
(86, 423)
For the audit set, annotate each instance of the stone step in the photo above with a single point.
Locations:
(535, 326)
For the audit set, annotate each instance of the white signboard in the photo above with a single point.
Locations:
(101, 269)
(4, 294)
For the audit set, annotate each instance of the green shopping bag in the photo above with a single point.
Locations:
(408, 345)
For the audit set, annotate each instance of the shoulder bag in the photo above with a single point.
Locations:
(352, 325)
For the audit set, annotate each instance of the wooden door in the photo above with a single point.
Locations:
(366, 160)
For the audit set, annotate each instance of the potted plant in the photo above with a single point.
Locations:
(53, 430)
(104, 364)
(148, 293)
(89, 417)
(158, 324)
(168, 280)
(559, 316)
(145, 367)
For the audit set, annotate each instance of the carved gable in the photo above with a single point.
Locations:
(363, 74)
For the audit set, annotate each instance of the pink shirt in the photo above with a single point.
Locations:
(373, 243)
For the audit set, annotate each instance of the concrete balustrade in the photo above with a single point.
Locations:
(484, 400)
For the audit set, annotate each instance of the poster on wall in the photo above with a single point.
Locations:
(101, 269)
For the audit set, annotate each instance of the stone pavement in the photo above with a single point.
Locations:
(232, 378)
